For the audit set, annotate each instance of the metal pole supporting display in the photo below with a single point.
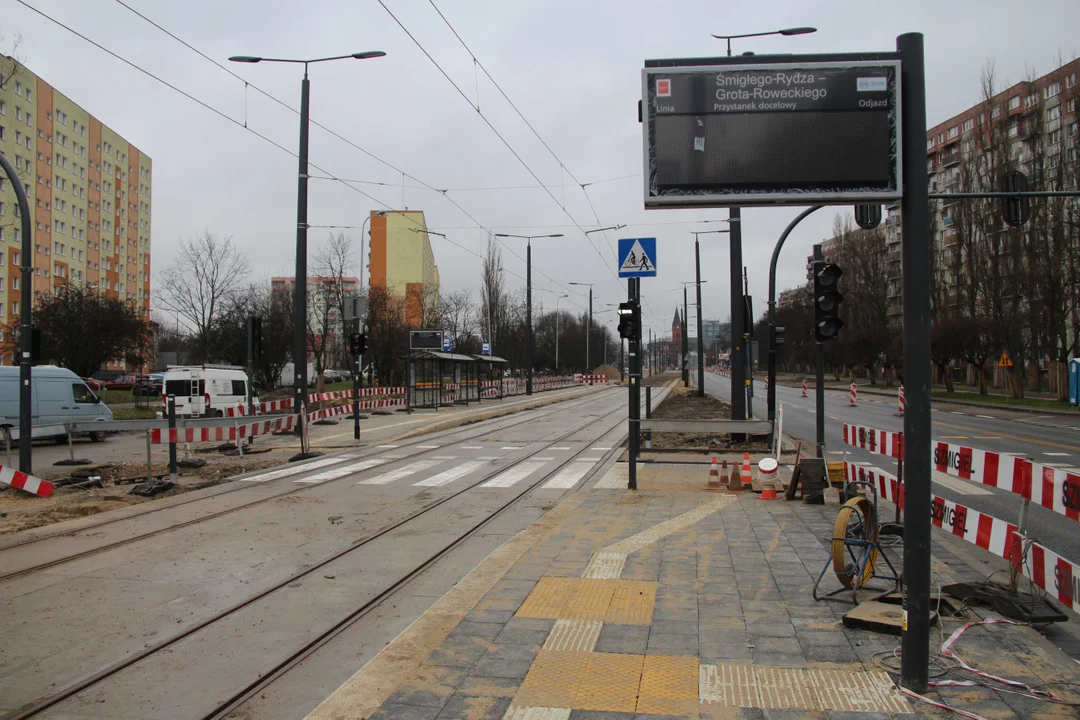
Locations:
(700, 336)
(819, 375)
(685, 341)
(738, 361)
(528, 321)
(26, 299)
(916, 268)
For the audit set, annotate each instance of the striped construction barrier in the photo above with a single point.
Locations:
(853, 395)
(22, 481)
(900, 401)
(1054, 574)
(171, 436)
(879, 442)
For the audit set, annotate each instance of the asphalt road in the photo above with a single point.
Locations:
(1051, 440)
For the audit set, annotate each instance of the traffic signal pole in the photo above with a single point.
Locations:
(358, 365)
(819, 376)
(634, 287)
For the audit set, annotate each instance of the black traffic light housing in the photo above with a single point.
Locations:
(357, 344)
(256, 338)
(1015, 211)
(629, 319)
(827, 299)
(778, 336)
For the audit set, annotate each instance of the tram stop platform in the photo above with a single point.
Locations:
(675, 601)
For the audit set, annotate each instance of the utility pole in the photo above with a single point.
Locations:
(634, 292)
(738, 360)
(685, 341)
(528, 320)
(700, 336)
(819, 375)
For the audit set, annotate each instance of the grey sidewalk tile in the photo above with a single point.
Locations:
(512, 653)
(672, 644)
(521, 637)
(599, 715)
(823, 638)
(490, 616)
(779, 659)
(475, 707)
(407, 695)
(494, 667)
(466, 628)
(404, 712)
(625, 639)
(830, 654)
(522, 623)
(674, 627)
(463, 652)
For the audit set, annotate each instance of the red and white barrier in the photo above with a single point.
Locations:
(804, 387)
(169, 436)
(853, 395)
(900, 401)
(22, 481)
(1054, 574)
(879, 442)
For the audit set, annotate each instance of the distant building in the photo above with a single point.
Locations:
(402, 262)
(89, 194)
(350, 285)
(677, 330)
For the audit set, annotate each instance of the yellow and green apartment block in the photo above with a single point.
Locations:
(402, 262)
(89, 192)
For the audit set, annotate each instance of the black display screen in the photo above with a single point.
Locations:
(845, 149)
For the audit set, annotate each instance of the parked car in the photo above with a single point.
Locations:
(124, 382)
(208, 390)
(148, 385)
(94, 384)
(58, 396)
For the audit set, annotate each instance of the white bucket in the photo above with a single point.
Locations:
(768, 472)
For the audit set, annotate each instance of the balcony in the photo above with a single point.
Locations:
(948, 159)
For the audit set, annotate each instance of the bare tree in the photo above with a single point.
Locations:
(493, 298)
(457, 316)
(206, 271)
(332, 264)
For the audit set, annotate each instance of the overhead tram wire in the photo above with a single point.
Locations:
(526, 121)
(284, 104)
(498, 135)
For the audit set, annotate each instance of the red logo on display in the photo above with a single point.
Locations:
(663, 88)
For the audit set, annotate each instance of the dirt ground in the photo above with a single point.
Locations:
(21, 511)
(684, 404)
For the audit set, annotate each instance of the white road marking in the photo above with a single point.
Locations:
(450, 475)
(389, 477)
(511, 447)
(1058, 454)
(559, 448)
(428, 447)
(986, 417)
(833, 417)
(600, 448)
(334, 473)
(545, 459)
(297, 469)
(472, 447)
(987, 437)
(387, 447)
(964, 487)
(837, 452)
(956, 413)
(443, 457)
(489, 458)
(569, 476)
(516, 474)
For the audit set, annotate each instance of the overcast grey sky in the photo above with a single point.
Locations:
(571, 67)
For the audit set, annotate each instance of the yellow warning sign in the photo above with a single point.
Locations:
(1005, 360)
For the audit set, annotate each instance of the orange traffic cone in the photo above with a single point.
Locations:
(746, 477)
(714, 477)
(732, 481)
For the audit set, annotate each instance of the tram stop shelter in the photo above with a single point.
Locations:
(491, 371)
(435, 379)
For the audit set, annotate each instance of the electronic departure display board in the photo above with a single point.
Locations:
(755, 133)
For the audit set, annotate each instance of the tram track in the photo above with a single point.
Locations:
(358, 454)
(266, 677)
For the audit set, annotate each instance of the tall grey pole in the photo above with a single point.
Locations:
(556, 337)
(819, 377)
(588, 334)
(915, 645)
(26, 267)
(700, 336)
(300, 281)
(634, 417)
(685, 341)
(528, 321)
(738, 359)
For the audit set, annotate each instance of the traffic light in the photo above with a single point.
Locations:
(827, 322)
(748, 315)
(256, 338)
(778, 336)
(357, 344)
(629, 318)
(1015, 210)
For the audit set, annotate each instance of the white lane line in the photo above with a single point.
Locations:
(833, 417)
(387, 447)
(428, 447)
(450, 475)
(511, 447)
(334, 473)
(964, 487)
(956, 413)
(838, 452)
(559, 448)
(987, 437)
(489, 458)
(600, 448)
(472, 447)
(516, 474)
(986, 417)
(389, 477)
(545, 459)
(569, 476)
(443, 457)
(297, 469)
(1058, 454)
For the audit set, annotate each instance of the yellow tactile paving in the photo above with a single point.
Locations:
(669, 686)
(552, 680)
(609, 683)
(626, 602)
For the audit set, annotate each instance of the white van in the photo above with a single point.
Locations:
(208, 390)
(57, 396)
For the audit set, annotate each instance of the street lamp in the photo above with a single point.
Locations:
(300, 291)
(785, 31)
(528, 304)
(701, 337)
(588, 323)
(557, 299)
(686, 335)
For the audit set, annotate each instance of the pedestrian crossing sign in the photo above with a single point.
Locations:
(637, 257)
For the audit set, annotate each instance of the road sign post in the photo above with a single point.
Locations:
(637, 257)
(634, 295)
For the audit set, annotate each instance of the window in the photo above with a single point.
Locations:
(1051, 90)
(82, 394)
(29, 95)
(18, 88)
(1071, 106)
(1014, 128)
(3, 107)
(15, 307)
(1053, 113)
(1070, 81)
(1053, 138)
(3, 133)
(1014, 102)
(929, 143)
(969, 124)
(1031, 100)
(15, 284)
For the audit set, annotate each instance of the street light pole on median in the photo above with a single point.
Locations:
(528, 304)
(557, 299)
(588, 325)
(300, 281)
(700, 334)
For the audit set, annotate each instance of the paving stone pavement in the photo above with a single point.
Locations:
(732, 600)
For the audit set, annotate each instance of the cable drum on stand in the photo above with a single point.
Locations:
(855, 521)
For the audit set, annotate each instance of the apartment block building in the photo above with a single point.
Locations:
(402, 262)
(89, 190)
(1048, 103)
